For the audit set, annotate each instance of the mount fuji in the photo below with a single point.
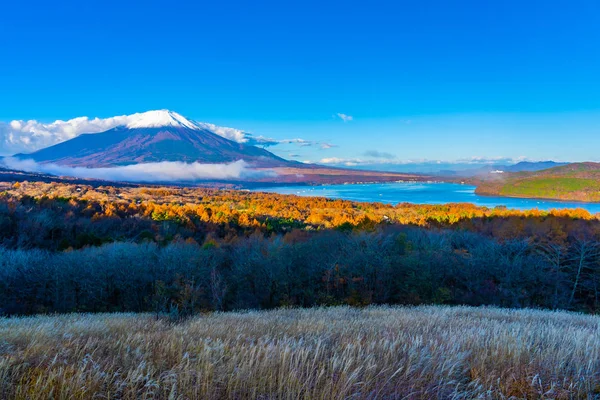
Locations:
(156, 136)
(162, 145)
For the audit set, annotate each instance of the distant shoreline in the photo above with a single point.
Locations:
(553, 199)
(547, 203)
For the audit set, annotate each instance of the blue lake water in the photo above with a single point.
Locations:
(423, 193)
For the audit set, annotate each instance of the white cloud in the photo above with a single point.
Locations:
(341, 161)
(260, 141)
(492, 160)
(379, 158)
(25, 136)
(239, 136)
(372, 157)
(299, 142)
(344, 117)
(325, 146)
(148, 172)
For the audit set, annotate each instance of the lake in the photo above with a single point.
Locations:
(423, 193)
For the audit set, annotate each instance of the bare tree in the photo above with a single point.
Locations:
(218, 288)
(555, 254)
(583, 251)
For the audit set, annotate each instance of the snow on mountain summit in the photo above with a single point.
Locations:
(166, 118)
(159, 118)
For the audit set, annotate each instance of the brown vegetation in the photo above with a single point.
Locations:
(319, 175)
(332, 353)
(246, 209)
(177, 254)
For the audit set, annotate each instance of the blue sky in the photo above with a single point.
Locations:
(422, 80)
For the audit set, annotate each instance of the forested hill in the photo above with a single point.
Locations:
(578, 182)
(73, 247)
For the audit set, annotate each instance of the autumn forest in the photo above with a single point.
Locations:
(180, 251)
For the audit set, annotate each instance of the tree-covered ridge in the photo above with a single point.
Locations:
(578, 182)
(59, 216)
(184, 250)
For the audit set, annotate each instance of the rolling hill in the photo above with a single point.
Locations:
(523, 166)
(575, 182)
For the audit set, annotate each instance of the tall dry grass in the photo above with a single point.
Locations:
(325, 353)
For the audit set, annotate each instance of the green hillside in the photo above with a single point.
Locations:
(577, 182)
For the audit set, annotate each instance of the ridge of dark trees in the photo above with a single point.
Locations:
(114, 250)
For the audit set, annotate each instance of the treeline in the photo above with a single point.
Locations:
(67, 248)
(58, 217)
(391, 265)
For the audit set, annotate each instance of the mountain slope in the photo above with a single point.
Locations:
(154, 137)
(577, 181)
(533, 166)
(522, 166)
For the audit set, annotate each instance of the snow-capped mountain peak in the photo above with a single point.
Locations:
(159, 118)
(155, 136)
(166, 118)
(31, 135)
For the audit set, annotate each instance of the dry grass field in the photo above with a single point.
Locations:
(425, 352)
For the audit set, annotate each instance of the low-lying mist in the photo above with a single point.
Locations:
(166, 171)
